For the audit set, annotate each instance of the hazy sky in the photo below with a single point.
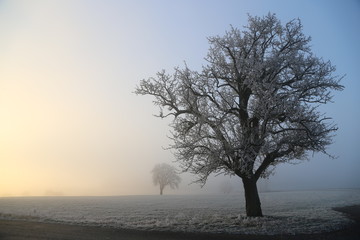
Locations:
(69, 120)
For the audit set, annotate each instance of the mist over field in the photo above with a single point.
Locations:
(71, 125)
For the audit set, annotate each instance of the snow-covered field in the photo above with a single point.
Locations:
(285, 212)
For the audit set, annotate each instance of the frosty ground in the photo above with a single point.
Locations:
(288, 213)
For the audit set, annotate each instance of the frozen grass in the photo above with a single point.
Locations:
(285, 212)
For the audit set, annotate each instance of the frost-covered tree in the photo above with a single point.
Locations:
(165, 174)
(255, 104)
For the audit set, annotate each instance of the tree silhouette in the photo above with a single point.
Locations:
(165, 174)
(253, 106)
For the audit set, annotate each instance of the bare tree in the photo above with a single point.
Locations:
(253, 106)
(165, 174)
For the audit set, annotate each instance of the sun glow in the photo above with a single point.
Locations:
(70, 123)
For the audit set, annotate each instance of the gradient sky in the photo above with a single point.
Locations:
(70, 123)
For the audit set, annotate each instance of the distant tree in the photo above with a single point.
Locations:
(253, 106)
(165, 174)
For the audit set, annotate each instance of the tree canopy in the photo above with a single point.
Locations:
(254, 104)
(164, 175)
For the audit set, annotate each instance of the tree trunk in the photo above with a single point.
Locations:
(252, 200)
(161, 190)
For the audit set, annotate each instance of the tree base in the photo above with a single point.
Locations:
(252, 200)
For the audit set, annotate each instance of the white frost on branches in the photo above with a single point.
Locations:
(254, 105)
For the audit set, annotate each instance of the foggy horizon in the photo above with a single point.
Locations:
(71, 125)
